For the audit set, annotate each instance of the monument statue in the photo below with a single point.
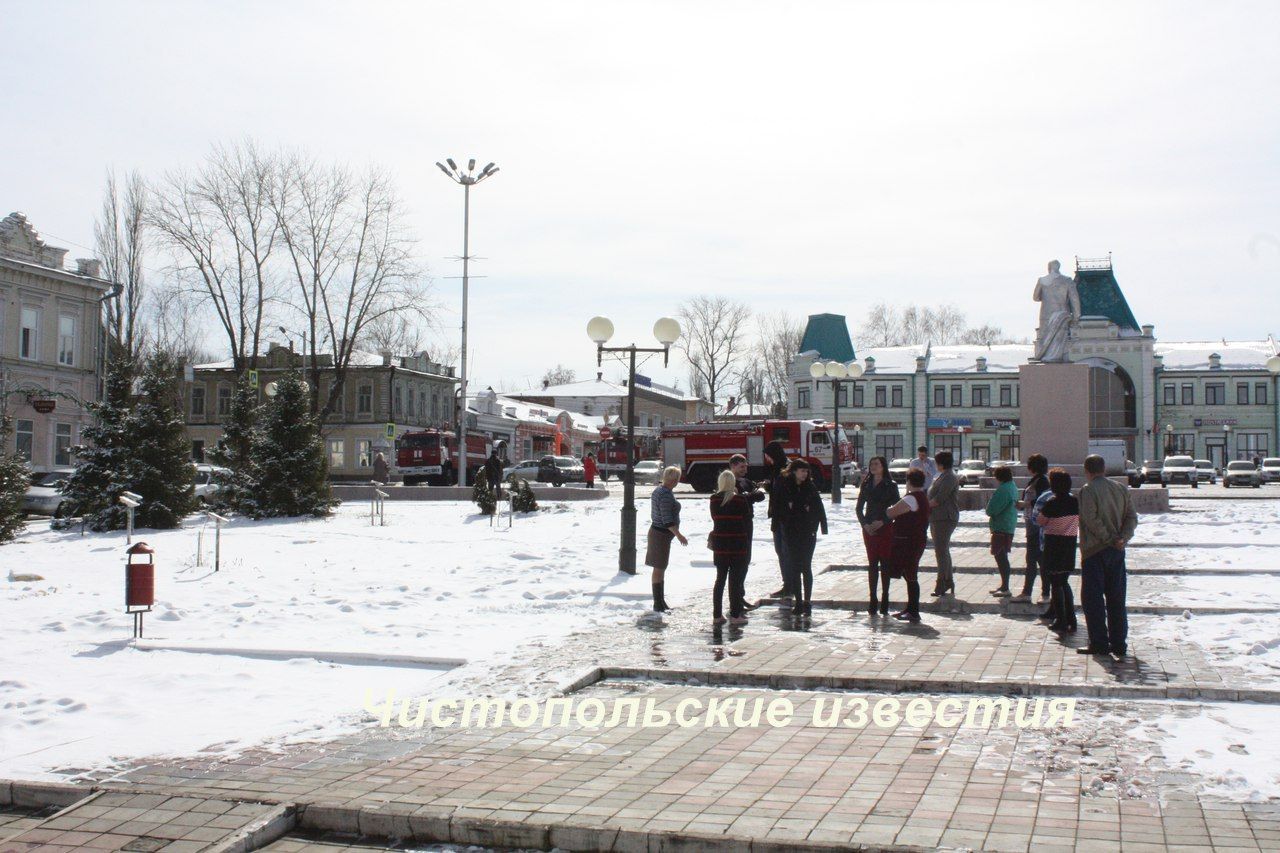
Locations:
(1059, 311)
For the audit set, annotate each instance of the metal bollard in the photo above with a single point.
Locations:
(217, 538)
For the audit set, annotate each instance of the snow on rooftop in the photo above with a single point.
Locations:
(1235, 355)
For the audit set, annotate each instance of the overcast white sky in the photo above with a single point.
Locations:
(804, 157)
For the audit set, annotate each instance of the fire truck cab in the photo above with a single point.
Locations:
(611, 458)
(431, 456)
(702, 451)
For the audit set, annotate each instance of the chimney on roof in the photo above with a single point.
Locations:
(599, 375)
(545, 384)
(982, 364)
(1148, 330)
(871, 364)
(386, 357)
(1215, 361)
(89, 266)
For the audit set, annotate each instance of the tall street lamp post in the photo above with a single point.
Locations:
(1226, 441)
(467, 178)
(600, 330)
(1273, 364)
(1168, 444)
(837, 374)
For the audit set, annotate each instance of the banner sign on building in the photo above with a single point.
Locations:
(949, 424)
(1216, 421)
(1001, 423)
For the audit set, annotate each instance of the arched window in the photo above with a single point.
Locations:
(1112, 401)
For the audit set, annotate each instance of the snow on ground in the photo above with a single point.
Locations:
(1250, 641)
(1231, 747)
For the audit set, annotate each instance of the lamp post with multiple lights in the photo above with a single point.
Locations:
(467, 178)
(837, 373)
(600, 330)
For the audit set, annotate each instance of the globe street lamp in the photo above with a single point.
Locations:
(837, 373)
(1168, 444)
(1226, 441)
(1015, 449)
(600, 330)
(467, 178)
(857, 444)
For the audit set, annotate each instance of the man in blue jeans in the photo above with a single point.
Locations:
(1107, 523)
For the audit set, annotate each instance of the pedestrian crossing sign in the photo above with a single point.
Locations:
(253, 379)
(391, 430)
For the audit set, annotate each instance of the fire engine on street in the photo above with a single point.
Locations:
(431, 455)
(702, 451)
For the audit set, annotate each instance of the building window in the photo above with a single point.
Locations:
(949, 442)
(882, 397)
(410, 402)
(337, 453)
(364, 453)
(197, 401)
(896, 397)
(66, 340)
(1251, 445)
(1006, 396)
(29, 335)
(24, 438)
(224, 401)
(1215, 393)
(842, 395)
(782, 434)
(956, 399)
(1242, 394)
(802, 397)
(1260, 394)
(981, 395)
(422, 405)
(197, 450)
(889, 446)
(396, 403)
(1170, 395)
(435, 405)
(1180, 444)
(939, 396)
(1010, 446)
(364, 400)
(859, 395)
(62, 444)
(1188, 395)
(339, 402)
(1112, 401)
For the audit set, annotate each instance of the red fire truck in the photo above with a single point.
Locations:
(611, 458)
(702, 451)
(432, 455)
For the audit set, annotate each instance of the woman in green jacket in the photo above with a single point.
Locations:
(1002, 512)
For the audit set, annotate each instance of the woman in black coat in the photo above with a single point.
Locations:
(877, 493)
(800, 504)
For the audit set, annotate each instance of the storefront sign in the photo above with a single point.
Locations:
(949, 423)
(1216, 421)
(889, 424)
(44, 407)
(1001, 423)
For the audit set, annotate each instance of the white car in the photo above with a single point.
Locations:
(648, 471)
(1179, 469)
(44, 495)
(971, 472)
(526, 469)
(210, 481)
(1242, 473)
(1205, 472)
(1271, 470)
(898, 470)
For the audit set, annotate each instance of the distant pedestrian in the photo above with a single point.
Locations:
(664, 515)
(803, 514)
(731, 548)
(910, 532)
(922, 462)
(1038, 465)
(776, 460)
(589, 470)
(1059, 519)
(944, 515)
(1002, 519)
(1107, 523)
(381, 470)
(877, 493)
(493, 472)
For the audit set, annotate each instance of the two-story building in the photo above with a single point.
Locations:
(50, 344)
(383, 396)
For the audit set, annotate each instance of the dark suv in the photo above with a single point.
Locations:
(559, 470)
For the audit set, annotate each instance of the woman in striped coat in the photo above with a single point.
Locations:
(730, 544)
(1059, 520)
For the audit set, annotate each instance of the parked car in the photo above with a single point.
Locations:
(1179, 469)
(558, 470)
(211, 480)
(1151, 471)
(971, 472)
(526, 469)
(1205, 472)
(1271, 470)
(44, 495)
(898, 470)
(1001, 463)
(1133, 472)
(648, 471)
(1242, 473)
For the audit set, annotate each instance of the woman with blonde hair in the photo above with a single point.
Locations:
(664, 515)
(730, 545)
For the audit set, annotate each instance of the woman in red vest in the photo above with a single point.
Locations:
(589, 470)
(910, 532)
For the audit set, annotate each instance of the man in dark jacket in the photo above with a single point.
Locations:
(752, 493)
(493, 472)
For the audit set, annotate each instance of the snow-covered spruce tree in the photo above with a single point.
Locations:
(14, 479)
(234, 449)
(159, 464)
(483, 496)
(92, 490)
(290, 472)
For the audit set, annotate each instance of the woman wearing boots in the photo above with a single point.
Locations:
(1038, 465)
(877, 493)
(664, 513)
(730, 546)
(802, 515)
(1002, 515)
(1060, 520)
(910, 532)
(944, 515)
(775, 458)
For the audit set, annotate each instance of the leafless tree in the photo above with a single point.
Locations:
(120, 238)
(714, 339)
(777, 341)
(349, 266)
(558, 375)
(173, 318)
(889, 326)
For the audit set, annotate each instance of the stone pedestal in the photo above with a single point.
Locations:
(1054, 416)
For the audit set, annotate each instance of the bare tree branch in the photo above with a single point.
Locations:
(714, 339)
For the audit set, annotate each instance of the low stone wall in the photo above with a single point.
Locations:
(1144, 500)
(395, 492)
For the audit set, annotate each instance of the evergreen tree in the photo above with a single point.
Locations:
(160, 467)
(234, 449)
(101, 461)
(289, 472)
(483, 496)
(14, 479)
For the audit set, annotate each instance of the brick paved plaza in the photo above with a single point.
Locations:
(1091, 786)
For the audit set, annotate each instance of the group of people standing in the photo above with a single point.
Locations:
(896, 528)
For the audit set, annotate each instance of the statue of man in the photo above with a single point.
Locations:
(1059, 311)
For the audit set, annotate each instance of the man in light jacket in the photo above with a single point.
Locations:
(1107, 523)
(943, 518)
